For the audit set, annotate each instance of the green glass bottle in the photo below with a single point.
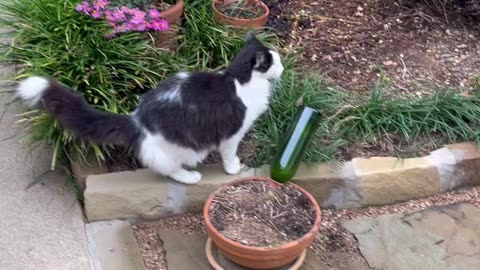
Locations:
(293, 145)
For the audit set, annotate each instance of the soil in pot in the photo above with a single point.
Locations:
(240, 9)
(260, 214)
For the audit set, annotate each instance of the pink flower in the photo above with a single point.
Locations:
(137, 13)
(136, 20)
(110, 18)
(111, 21)
(125, 10)
(87, 10)
(101, 4)
(96, 14)
(153, 13)
(118, 15)
(126, 27)
(140, 27)
(159, 25)
(82, 7)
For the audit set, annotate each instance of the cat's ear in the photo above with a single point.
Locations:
(259, 58)
(251, 37)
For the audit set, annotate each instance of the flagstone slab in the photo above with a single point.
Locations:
(441, 238)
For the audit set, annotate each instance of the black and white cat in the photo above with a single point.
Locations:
(177, 124)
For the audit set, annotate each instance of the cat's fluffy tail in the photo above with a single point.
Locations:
(75, 114)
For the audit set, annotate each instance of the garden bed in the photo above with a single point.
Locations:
(334, 245)
(380, 124)
(354, 41)
(401, 51)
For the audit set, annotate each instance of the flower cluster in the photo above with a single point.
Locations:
(124, 19)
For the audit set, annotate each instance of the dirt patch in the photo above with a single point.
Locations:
(354, 42)
(151, 245)
(390, 145)
(240, 9)
(260, 214)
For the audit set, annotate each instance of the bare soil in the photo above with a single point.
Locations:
(240, 9)
(260, 214)
(392, 145)
(354, 42)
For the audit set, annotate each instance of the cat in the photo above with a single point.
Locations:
(178, 123)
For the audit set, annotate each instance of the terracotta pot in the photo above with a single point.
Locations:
(260, 257)
(173, 15)
(258, 22)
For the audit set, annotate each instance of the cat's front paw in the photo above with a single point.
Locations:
(233, 167)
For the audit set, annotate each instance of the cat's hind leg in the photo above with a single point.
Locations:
(192, 159)
(174, 170)
(153, 155)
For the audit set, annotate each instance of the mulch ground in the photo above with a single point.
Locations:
(355, 42)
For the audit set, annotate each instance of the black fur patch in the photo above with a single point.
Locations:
(208, 111)
(84, 122)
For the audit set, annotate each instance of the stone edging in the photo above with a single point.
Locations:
(141, 195)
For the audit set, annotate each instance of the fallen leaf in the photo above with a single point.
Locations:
(299, 102)
(328, 58)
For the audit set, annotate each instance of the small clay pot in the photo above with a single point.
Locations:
(260, 257)
(254, 23)
(173, 16)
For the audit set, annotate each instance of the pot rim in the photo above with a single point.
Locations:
(262, 17)
(315, 228)
(178, 5)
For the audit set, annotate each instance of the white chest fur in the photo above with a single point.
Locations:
(255, 95)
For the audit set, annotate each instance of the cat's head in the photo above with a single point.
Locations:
(256, 59)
